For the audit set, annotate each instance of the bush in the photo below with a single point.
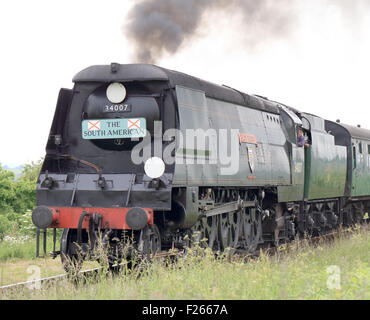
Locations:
(26, 225)
(6, 226)
(17, 199)
(25, 192)
(7, 189)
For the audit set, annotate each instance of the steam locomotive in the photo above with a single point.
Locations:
(162, 157)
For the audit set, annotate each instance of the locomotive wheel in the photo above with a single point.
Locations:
(358, 213)
(112, 247)
(205, 232)
(229, 230)
(71, 262)
(150, 241)
(252, 229)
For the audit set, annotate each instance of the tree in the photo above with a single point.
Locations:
(7, 198)
(18, 198)
(7, 190)
(31, 172)
(25, 187)
(5, 226)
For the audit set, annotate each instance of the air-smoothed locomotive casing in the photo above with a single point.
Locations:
(263, 155)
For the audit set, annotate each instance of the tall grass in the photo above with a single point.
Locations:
(300, 272)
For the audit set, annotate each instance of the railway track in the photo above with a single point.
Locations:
(45, 282)
(82, 277)
(89, 274)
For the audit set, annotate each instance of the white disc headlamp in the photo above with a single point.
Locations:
(154, 167)
(116, 92)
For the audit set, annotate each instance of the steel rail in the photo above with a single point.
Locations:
(38, 283)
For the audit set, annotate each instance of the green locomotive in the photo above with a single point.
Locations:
(214, 164)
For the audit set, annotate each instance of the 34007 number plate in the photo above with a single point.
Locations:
(117, 108)
(114, 128)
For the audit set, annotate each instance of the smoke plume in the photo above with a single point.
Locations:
(158, 27)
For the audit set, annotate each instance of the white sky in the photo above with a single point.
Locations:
(323, 68)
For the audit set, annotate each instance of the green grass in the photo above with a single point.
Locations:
(17, 251)
(26, 249)
(298, 273)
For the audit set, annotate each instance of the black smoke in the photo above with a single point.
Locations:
(158, 27)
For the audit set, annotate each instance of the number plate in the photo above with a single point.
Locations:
(117, 108)
(114, 128)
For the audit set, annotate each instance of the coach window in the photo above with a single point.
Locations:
(368, 148)
(360, 147)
